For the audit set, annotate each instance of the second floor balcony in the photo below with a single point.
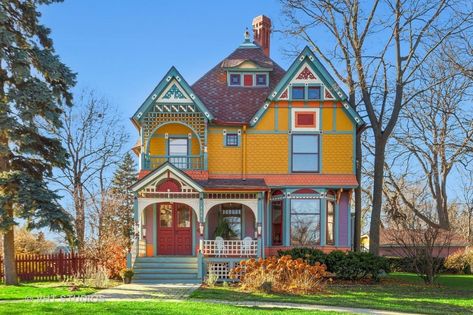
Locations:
(183, 162)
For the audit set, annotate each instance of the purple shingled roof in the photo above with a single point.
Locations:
(236, 104)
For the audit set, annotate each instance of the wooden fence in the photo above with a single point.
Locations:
(46, 267)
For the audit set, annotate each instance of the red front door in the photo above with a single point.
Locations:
(174, 229)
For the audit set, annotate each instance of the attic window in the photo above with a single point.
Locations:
(235, 79)
(248, 79)
(313, 93)
(261, 79)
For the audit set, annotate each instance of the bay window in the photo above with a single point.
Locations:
(305, 222)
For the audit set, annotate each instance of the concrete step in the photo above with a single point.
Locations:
(159, 281)
(145, 265)
(165, 270)
(163, 276)
(167, 259)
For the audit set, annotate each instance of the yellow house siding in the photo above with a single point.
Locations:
(327, 118)
(337, 154)
(157, 144)
(267, 121)
(343, 122)
(222, 159)
(267, 153)
(283, 118)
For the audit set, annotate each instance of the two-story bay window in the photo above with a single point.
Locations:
(305, 222)
(305, 153)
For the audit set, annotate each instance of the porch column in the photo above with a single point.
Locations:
(259, 226)
(323, 220)
(201, 219)
(337, 222)
(286, 235)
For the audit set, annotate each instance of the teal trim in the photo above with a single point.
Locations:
(289, 140)
(329, 132)
(201, 207)
(328, 81)
(206, 160)
(337, 223)
(243, 223)
(349, 236)
(287, 221)
(323, 221)
(128, 260)
(269, 226)
(155, 230)
(238, 139)
(162, 85)
(320, 154)
(200, 265)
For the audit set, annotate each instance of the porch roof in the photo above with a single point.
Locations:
(233, 183)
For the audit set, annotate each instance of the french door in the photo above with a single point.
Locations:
(174, 229)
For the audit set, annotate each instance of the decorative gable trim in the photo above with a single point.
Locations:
(297, 72)
(176, 88)
(167, 170)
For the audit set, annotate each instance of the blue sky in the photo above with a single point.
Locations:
(124, 48)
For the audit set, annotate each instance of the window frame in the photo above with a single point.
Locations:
(298, 87)
(265, 75)
(237, 137)
(230, 83)
(319, 87)
(317, 154)
(317, 214)
(333, 223)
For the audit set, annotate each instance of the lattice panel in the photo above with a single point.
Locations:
(221, 269)
(154, 119)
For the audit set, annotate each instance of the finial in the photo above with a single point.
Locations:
(247, 35)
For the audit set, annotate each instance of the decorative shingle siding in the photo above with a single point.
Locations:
(337, 154)
(267, 153)
(222, 159)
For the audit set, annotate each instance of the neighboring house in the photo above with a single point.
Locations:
(249, 147)
(395, 243)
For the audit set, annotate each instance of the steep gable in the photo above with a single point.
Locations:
(308, 70)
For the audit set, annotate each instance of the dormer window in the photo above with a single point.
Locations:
(235, 79)
(248, 79)
(261, 80)
(313, 93)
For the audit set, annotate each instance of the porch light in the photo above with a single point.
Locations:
(201, 228)
(259, 227)
(143, 231)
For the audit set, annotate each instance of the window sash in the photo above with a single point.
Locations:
(298, 89)
(231, 140)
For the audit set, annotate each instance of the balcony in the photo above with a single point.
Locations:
(183, 162)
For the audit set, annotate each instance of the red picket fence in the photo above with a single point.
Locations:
(46, 267)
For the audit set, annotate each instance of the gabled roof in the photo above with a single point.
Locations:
(307, 57)
(166, 167)
(168, 79)
(231, 104)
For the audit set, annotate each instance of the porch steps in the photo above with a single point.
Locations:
(166, 269)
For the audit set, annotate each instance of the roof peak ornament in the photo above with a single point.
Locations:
(247, 35)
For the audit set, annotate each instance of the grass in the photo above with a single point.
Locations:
(398, 292)
(137, 307)
(41, 289)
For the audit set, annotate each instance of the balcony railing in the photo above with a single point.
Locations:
(183, 162)
(230, 248)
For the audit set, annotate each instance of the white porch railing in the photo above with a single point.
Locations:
(230, 248)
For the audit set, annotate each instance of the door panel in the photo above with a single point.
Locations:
(174, 230)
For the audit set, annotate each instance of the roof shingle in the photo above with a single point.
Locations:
(236, 104)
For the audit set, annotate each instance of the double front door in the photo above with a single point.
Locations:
(174, 229)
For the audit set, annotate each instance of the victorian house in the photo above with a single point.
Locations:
(249, 159)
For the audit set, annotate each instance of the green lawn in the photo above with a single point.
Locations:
(398, 292)
(40, 289)
(137, 307)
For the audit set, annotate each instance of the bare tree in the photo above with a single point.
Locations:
(94, 138)
(435, 137)
(466, 198)
(383, 45)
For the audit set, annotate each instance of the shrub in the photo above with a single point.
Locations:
(333, 258)
(309, 255)
(357, 265)
(460, 261)
(211, 279)
(127, 273)
(283, 274)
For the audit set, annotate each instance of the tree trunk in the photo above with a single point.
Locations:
(357, 227)
(379, 158)
(9, 262)
(80, 216)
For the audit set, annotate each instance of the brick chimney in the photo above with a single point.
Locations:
(262, 32)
